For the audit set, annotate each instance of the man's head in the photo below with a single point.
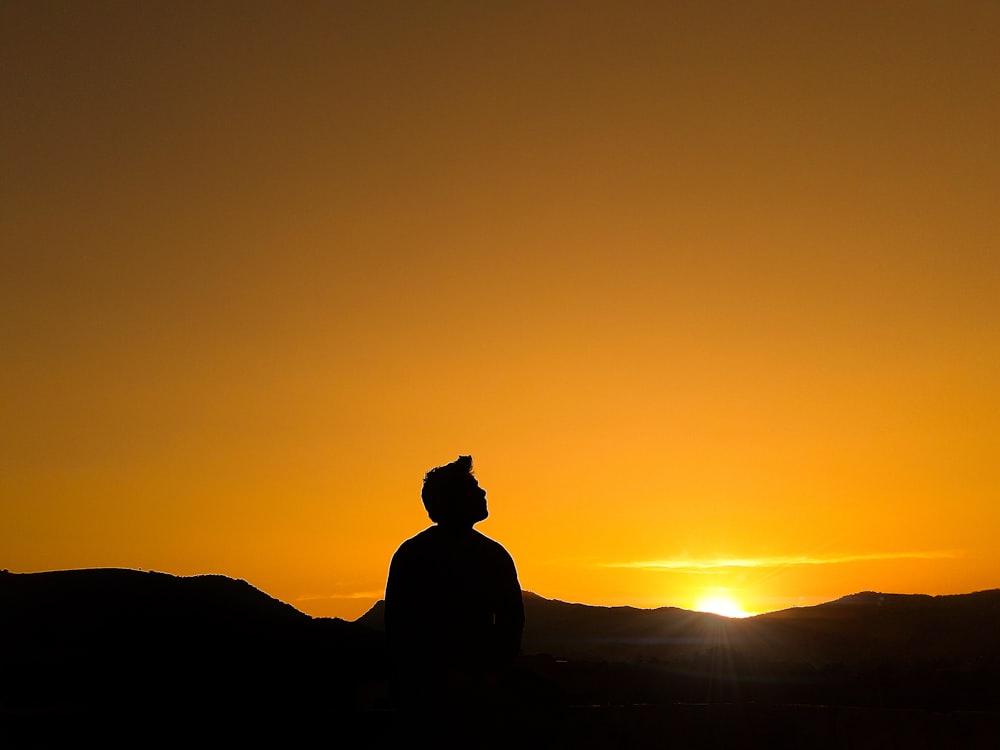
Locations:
(452, 496)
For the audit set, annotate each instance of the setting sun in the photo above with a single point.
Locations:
(721, 603)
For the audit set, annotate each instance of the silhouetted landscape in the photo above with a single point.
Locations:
(143, 658)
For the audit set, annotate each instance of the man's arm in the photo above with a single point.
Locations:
(398, 591)
(508, 613)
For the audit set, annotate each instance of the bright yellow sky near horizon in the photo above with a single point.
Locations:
(710, 290)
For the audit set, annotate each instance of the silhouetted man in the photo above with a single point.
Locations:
(453, 610)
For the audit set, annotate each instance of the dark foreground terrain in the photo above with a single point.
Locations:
(139, 659)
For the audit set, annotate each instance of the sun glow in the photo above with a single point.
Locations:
(721, 604)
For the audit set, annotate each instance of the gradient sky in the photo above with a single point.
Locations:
(710, 290)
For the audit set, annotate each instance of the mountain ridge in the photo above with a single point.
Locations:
(836, 629)
(101, 629)
(136, 649)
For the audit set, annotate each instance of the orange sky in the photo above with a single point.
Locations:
(709, 290)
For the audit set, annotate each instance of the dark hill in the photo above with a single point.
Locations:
(582, 631)
(81, 644)
(129, 649)
(95, 600)
(865, 627)
(873, 627)
(867, 649)
(128, 615)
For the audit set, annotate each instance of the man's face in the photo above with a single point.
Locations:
(475, 501)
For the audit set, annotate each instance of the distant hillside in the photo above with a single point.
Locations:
(67, 615)
(866, 649)
(862, 627)
(582, 631)
(89, 642)
(118, 598)
(167, 651)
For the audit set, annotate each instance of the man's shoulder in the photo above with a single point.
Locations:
(486, 542)
(413, 545)
(418, 540)
(434, 537)
(425, 535)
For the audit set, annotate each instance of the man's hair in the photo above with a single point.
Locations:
(443, 486)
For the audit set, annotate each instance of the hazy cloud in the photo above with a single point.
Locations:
(689, 565)
(352, 595)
